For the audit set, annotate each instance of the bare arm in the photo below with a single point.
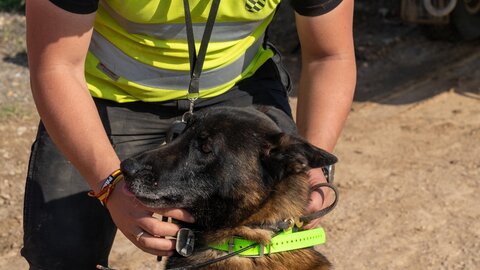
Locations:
(57, 43)
(327, 85)
(328, 74)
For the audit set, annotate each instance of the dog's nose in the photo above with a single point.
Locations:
(130, 167)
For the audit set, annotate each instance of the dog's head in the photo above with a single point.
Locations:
(222, 167)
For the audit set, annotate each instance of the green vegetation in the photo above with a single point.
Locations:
(12, 5)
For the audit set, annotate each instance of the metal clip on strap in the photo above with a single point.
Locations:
(196, 61)
(196, 65)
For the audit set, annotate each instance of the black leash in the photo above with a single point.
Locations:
(200, 265)
(196, 64)
(212, 261)
(329, 172)
(196, 61)
(326, 210)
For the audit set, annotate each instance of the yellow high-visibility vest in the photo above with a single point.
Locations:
(139, 49)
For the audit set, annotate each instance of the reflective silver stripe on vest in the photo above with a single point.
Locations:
(120, 64)
(223, 31)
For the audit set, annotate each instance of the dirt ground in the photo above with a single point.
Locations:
(409, 170)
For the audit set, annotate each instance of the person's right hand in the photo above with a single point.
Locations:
(132, 218)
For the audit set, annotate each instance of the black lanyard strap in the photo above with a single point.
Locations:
(196, 61)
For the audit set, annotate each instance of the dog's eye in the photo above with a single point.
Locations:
(205, 142)
(206, 147)
(203, 135)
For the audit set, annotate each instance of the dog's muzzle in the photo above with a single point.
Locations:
(130, 167)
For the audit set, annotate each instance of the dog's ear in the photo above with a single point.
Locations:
(290, 154)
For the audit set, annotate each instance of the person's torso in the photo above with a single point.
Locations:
(139, 48)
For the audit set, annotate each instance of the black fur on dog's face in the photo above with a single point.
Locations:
(222, 167)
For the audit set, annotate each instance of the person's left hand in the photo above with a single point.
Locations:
(320, 198)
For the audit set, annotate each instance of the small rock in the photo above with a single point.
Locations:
(456, 111)
(21, 130)
(6, 155)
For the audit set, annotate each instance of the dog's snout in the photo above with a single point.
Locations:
(130, 167)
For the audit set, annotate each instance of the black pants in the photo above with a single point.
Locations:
(66, 229)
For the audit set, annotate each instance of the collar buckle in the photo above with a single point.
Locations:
(286, 224)
(185, 243)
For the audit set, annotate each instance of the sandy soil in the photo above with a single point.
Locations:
(409, 169)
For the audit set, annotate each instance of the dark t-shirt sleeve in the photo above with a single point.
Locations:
(303, 7)
(314, 7)
(77, 6)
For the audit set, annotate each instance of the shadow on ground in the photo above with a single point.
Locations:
(19, 58)
(392, 56)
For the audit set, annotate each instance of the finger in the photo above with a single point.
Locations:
(159, 246)
(317, 199)
(158, 228)
(316, 176)
(176, 213)
(155, 244)
(162, 253)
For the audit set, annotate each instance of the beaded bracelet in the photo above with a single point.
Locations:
(107, 187)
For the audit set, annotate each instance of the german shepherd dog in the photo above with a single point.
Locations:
(237, 171)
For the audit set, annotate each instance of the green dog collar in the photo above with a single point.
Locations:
(285, 241)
